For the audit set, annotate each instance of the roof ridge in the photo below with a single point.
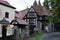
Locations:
(6, 3)
(24, 9)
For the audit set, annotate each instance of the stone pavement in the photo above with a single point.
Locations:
(51, 36)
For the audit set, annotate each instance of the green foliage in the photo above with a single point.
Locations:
(55, 5)
(56, 10)
(46, 4)
(38, 35)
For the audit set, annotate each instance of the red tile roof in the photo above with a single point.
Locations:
(23, 22)
(41, 10)
(6, 4)
(44, 11)
(20, 18)
(19, 15)
(36, 8)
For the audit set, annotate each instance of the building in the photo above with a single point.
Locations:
(6, 10)
(7, 13)
(36, 17)
(22, 24)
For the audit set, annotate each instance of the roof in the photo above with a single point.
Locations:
(5, 3)
(36, 7)
(22, 22)
(19, 22)
(24, 12)
(44, 11)
(20, 19)
(40, 10)
(19, 15)
(4, 21)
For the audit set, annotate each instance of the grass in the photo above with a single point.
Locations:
(38, 35)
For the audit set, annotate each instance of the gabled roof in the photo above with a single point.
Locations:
(20, 19)
(44, 11)
(5, 3)
(22, 22)
(30, 12)
(24, 12)
(40, 10)
(36, 7)
(18, 15)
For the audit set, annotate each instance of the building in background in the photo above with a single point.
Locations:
(36, 17)
(22, 24)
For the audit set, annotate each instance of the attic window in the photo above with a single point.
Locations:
(6, 15)
(32, 14)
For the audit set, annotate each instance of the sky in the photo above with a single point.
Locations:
(22, 4)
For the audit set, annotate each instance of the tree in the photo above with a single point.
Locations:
(55, 4)
(55, 17)
(46, 4)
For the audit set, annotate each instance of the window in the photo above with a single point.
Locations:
(40, 18)
(27, 20)
(44, 18)
(32, 21)
(6, 15)
(32, 14)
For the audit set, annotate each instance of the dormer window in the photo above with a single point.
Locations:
(6, 15)
(32, 14)
(32, 21)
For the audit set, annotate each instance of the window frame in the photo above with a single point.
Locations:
(6, 14)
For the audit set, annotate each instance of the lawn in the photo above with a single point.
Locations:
(38, 35)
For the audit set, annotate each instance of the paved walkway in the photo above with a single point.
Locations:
(51, 36)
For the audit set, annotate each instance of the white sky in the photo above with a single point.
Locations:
(22, 4)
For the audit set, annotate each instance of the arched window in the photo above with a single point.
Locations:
(6, 15)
